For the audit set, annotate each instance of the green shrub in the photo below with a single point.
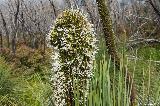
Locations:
(28, 61)
(73, 40)
(22, 90)
(24, 77)
(146, 69)
(6, 83)
(32, 91)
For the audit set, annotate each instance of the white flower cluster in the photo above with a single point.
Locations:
(74, 48)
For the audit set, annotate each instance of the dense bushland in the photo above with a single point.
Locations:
(26, 68)
(31, 90)
(25, 78)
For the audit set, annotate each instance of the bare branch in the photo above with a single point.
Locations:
(54, 8)
(154, 7)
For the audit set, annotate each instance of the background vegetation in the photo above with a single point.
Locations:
(25, 63)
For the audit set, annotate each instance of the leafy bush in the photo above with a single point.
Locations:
(30, 61)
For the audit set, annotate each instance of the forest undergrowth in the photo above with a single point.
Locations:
(24, 86)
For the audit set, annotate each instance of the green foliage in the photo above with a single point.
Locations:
(146, 63)
(25, 77)
(22, 90)
(109, 88)
(6, 85)
(106, 88)
(73, 40)
(32, 91)
(149, 53)
(28, 61)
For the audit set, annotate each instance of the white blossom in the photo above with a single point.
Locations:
(73, 45)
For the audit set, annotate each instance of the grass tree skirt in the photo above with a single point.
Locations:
(74, 48)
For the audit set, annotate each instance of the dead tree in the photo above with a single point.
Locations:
(154, 8)
(53, 7)
(5, 28)
(68, 2)
(1, 41)
(15, 31)
(23, 26)
(89, 11)
(43, 33)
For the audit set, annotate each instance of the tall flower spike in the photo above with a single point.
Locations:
(74, 47)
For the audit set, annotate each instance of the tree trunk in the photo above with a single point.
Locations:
(109, 39)
(68, 2)
(1, 41)
(15, 32)
(5, 28)
(89, 11)
(54, 8)
(14, 43)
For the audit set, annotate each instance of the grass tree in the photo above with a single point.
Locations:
(74, 43)
(109, 40)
